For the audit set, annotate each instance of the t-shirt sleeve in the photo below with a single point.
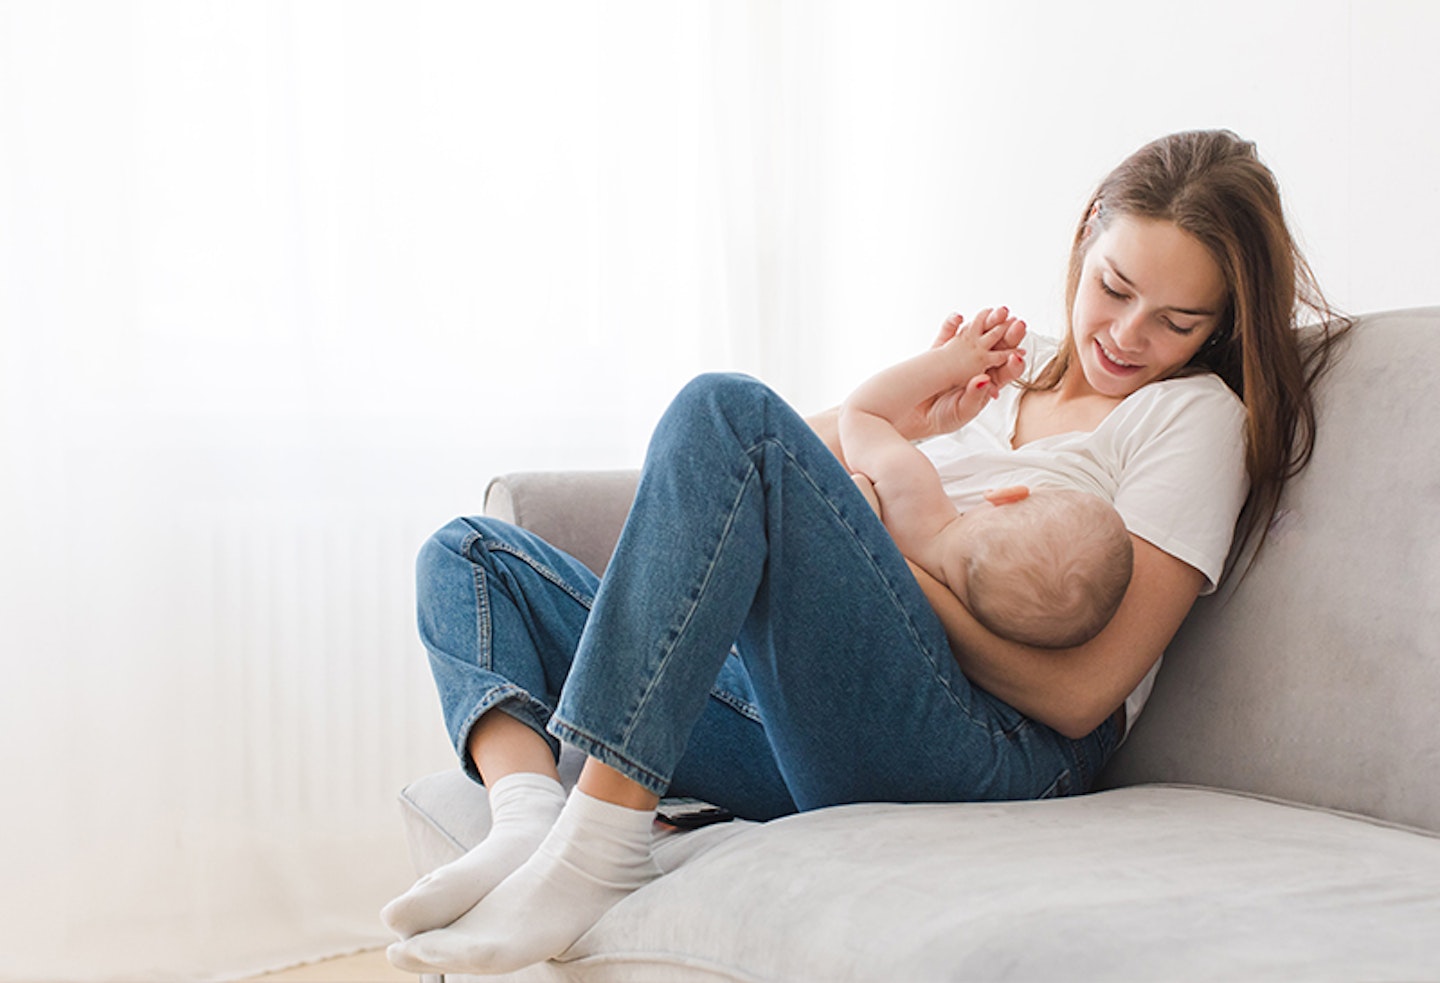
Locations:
(1183, 480)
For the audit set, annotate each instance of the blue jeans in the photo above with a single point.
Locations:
(757, 641)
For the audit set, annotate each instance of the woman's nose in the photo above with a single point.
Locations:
(1127, 333)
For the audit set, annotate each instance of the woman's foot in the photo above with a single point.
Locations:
(596, 855)
(523, 808)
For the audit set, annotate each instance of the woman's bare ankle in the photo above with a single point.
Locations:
(605, 783)
(500, 745)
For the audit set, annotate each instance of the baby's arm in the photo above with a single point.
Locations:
(913, 503)
(935, 392)
(906, 487)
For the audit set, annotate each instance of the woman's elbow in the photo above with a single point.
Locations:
(1078, 728)
(1077, 718)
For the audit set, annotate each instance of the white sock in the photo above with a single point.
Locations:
(596, 854)
(523, 807)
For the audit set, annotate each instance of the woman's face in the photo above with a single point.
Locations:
(1149, 297)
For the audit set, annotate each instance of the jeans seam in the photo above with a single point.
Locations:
(500, 546)
(678, 633)
(494, 699)
(605, 753)
(1053, 790)
(537, 712)
(894, 598)
(482, 601)
(743, 707)
(1021, 726)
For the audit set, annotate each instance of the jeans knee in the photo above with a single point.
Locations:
(449, 538)
(439, 554)
(714, 388)
(720, 397)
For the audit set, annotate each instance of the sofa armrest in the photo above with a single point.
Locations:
(581, 512)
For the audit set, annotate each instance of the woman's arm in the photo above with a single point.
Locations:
(1074, 690)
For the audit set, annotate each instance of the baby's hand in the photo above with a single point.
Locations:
(986, 343)
(954, 322)
(990, 344)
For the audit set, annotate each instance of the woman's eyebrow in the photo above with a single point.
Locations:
(1192, 312)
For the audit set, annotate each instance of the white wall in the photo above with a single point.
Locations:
(947, 149)
(282, 285)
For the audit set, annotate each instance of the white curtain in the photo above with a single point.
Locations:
(283, 284)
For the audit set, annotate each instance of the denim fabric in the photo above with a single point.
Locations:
(501, 612)
(758, 641)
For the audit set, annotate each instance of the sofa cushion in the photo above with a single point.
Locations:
(1148, 882)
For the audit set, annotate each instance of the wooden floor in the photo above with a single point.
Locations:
(363, 967)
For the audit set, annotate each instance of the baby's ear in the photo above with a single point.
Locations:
(1007, 496)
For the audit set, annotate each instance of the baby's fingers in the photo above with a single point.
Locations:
(948, 330)
(998, 327)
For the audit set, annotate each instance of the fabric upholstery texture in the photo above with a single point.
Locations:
(1315, 678)
(1273, 815)
(581, 511)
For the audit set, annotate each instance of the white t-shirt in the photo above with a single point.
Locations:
(1170, 458)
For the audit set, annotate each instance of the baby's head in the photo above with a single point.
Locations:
(1047, 569)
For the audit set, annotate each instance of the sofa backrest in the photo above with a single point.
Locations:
(1316, 678)
(582, 512)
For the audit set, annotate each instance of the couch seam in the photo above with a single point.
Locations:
(1277, 800)
(434, 823)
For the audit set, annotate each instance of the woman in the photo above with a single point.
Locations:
(854, 677)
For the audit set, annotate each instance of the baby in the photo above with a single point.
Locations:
(1047, 568)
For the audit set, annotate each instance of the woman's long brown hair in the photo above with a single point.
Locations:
(1211, 184)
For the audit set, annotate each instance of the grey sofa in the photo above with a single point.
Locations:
(1274, 815)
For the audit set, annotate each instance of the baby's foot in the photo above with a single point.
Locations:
(595, 856)
(523, 808)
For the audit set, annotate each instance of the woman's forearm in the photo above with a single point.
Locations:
(1030, 680)
(1074, 690)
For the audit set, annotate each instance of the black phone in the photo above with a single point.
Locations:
(691, 813)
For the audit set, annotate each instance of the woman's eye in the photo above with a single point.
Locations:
(1179, 329)
(1111, 290)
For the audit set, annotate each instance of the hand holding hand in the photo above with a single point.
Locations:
(991, 340)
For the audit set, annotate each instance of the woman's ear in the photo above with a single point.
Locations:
(1089, 228)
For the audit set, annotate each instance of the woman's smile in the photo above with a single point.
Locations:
(1114, 362)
